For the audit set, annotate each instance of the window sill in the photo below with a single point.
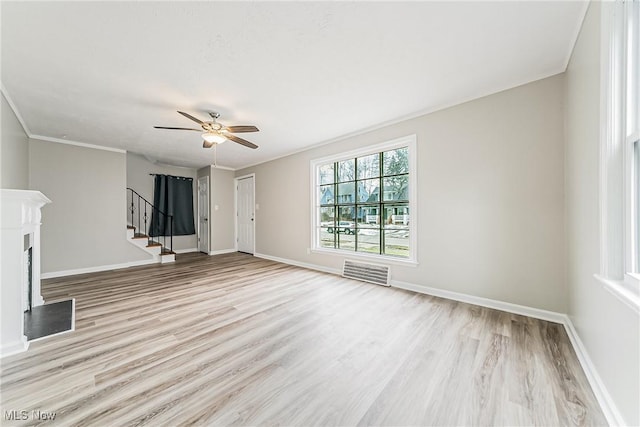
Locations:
(368, 257)
(627, 290)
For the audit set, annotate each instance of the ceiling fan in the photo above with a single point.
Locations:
(216, 133)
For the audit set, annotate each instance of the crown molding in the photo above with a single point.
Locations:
(76, 143)
(31, 135)
(13, 107)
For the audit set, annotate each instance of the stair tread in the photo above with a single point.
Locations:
(130, 227)
(154, 244)
(140, 236)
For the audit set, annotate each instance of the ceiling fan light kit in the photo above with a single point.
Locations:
(216, 133)
(213, 137)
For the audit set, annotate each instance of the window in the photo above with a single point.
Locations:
(620, 153)
(364, 202)
(632, 133)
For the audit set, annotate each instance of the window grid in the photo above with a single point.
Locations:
(358, 208)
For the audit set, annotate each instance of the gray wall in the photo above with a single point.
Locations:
(85, 224)
(221, 209)
(491, 202)
(14, 151)
(608, 328)
(138, 178)
(223, 219)
(202, 172)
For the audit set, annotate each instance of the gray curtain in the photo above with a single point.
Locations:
(172, 195)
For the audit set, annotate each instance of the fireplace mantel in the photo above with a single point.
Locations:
(20, 218)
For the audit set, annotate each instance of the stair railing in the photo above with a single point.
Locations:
(145, 209)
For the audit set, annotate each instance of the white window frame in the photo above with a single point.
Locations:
(406, 141)
(619, 204)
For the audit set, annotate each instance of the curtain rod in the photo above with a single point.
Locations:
(172, 176)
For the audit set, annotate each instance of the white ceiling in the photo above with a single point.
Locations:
(305, 73)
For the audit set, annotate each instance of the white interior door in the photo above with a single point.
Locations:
(246, 215)
(203, 214)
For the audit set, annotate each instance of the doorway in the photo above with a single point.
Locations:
(203, 214)
(245, 206)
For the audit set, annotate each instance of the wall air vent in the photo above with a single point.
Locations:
(372, 273)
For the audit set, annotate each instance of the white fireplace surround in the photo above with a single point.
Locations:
(19, 217)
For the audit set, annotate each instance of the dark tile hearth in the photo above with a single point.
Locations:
(48, 319)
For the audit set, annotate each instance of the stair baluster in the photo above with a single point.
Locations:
(142, 228)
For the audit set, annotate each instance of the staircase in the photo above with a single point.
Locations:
(141, 218)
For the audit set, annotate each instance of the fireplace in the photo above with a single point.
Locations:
(19, 264)
(27, 288)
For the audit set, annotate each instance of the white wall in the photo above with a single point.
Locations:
(609, 329)
(85, 225)
(491, 202)
(138, 178)
(14, 151)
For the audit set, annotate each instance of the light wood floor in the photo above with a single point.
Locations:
(234, 339)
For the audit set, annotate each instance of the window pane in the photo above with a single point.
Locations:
(396, 188)
(346, 193)
(347, 213)
(326, 194)
(347, 240)
(369, 166)
(637, 196)
(369, 190)
(395, 161)
(364, 204)
(346, 170)
(327, 216)
(633, 68)
(368, 216)
(396, 215)
(326, 174)
(326, 238)
(396, 241)
(369, 240)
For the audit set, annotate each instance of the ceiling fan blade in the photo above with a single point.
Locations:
(206, 144)
(164, 127)
(189, 116)
(244, 128)
(241, 141)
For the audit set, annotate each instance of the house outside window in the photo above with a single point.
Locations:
(364, 202)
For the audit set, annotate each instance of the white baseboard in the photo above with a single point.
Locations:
(223, 251)
(609, 408)
(536, 313)
(63, 273)
(185, 251)
(523, 310)
(611, 412)
(15, 347)
(299, 264)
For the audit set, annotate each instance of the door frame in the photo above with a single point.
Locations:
(208, 181)
(236, 182)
